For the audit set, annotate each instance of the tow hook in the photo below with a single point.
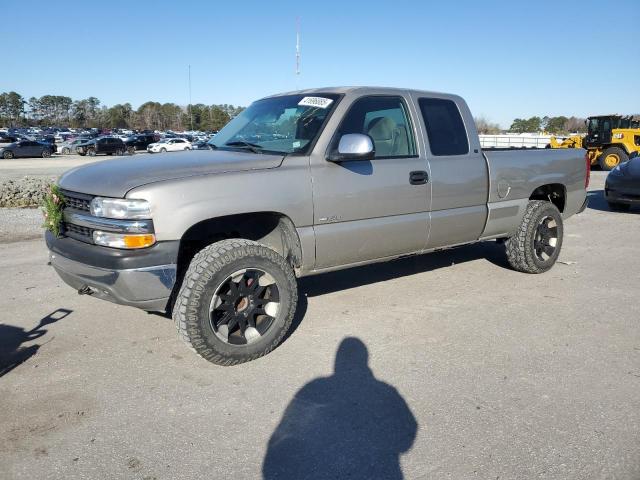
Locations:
(85, 290)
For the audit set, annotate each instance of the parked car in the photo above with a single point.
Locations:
(50, 140)
(139, 142)
(362, 175)
(25, 148)
(106, 145)
(169, 145)
(70, 147)
(622, 186)
(201, 145)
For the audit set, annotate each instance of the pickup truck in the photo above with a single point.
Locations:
(299, 184)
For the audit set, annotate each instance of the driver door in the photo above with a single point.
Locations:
(371, 209)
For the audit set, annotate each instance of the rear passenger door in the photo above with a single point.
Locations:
(458, 171)
(370, 209)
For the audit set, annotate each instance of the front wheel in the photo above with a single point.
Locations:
(131, 150)
(119, 152)
(46, 153)
(91, 152)
(163, 150)
(7, 155)
(536, 245)
(236, 302)
(66, 151)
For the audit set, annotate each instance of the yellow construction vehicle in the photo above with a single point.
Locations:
(610, 140)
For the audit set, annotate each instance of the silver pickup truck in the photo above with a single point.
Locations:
(298, 184)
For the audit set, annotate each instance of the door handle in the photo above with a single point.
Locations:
(419, 177)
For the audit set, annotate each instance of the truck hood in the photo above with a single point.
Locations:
(115, 177)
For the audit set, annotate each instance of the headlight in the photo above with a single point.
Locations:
(123, 240)
(120, 208)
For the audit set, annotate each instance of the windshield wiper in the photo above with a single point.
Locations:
(254, 147)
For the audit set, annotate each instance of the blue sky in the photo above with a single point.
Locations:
(508, 59)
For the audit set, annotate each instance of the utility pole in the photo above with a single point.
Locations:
(190, 110)
(297, 52)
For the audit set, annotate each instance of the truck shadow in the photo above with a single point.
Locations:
(12, 338)
(379, 272)
(597, 201)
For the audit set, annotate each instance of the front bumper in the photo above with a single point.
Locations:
(137, 280)
(622, 191)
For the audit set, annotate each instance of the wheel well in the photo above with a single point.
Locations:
(555, 193)
(272, 229)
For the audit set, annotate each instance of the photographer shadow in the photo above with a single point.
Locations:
(348, 425)
(12, 338)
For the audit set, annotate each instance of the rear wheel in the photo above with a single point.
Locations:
(536, 245)
(46, 153)
(236, 302)
(612, 157)
(131, 150)
(91, 152)
(7, 155)
(66, 151)
(120, 152)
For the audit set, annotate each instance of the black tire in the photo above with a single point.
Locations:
(131, 150)
(612, 152)
(66, 151)
(7, 155)
(82, 154)
(527, 249)
(619, 207)
(91, 152)
(46, 153)
(119, 152)
(163, 150)
(210, 270)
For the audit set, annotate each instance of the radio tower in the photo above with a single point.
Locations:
(297, 52)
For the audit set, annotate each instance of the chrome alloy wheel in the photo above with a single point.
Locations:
(546, 238)
(244, 306)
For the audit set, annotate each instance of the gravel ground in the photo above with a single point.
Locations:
(474, 371)
(18, 224)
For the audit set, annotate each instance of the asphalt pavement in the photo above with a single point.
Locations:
(448, 365)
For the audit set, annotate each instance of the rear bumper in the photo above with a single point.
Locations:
(126, 280)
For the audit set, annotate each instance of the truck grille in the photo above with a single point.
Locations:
(81, 202)
(83, 234)
(77, 201)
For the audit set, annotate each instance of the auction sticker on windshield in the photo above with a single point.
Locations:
(319, 102)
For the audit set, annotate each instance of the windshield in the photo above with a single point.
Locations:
(286, 124)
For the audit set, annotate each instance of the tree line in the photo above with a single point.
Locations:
(62, 111)
(554, 125)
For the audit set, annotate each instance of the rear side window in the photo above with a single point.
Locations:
(445, 128)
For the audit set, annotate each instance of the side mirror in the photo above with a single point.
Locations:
(353, 146)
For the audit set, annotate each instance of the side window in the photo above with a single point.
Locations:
(445, 128)
(385, 120)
